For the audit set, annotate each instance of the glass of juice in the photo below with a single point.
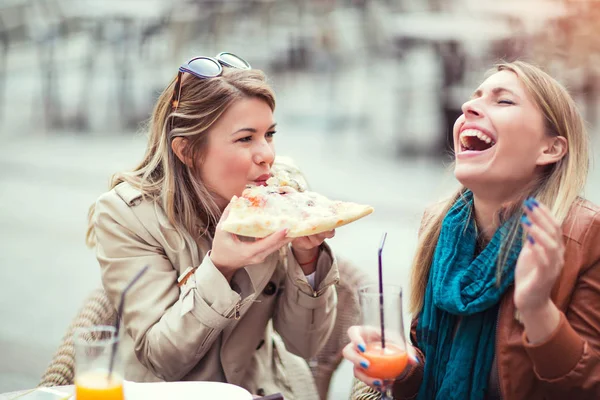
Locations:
(385, 349)
(94, 347)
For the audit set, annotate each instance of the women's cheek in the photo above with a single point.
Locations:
(209, 174)
(238, 170)
(508, 162)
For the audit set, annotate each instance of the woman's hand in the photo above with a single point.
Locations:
(306, 250)
(541, 259)
(229, 253)
(538, 267)
(359, 337)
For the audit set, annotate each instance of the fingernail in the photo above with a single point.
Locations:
(528, 204)
(534, 202)
(526, 220)
(376, 383)
(364, 364)
(530, 239)
(361, 347)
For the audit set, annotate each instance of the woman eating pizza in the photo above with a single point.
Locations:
(506, 277)
(209, 304)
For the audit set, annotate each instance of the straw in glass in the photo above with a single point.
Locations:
(119, 313)
(381, 320)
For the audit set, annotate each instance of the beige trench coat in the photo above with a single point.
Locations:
(205, 330)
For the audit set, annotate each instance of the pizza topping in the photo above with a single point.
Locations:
(286, 176)
(254, 201)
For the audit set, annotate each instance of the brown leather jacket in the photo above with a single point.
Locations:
(567, 365)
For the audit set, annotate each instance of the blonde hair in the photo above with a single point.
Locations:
(162, 176)
(558, 187)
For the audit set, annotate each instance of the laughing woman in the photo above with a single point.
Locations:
(207, 306)
(505, 290)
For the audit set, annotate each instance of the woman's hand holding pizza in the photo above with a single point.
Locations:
(261, 212)
(229, 253)
(306, 250)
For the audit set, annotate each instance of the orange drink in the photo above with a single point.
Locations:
(385, 363)
(96, 353)
(95, 385)
(383, 323)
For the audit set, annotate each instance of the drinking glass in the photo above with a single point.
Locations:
(385, 341)
(93, 348)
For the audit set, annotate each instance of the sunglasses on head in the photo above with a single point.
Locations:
(206, 67)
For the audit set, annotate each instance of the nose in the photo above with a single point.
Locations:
(471, 109)
(264, 153)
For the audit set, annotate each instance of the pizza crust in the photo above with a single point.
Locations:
(351, 215)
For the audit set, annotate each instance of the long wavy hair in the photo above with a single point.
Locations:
(559, 186)
(162, 176)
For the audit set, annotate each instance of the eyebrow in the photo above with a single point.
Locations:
(495, 91)
(252, 130)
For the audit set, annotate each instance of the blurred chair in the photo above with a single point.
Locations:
(360, 391)
(69, 36)
(97, 310)
(14, 23)
(10, 20)
(123, 27)
(4, 39)
(45, 28)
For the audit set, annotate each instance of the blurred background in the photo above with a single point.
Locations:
(367, 90)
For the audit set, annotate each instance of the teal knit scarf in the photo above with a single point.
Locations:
(463, 286)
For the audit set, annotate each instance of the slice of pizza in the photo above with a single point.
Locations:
(263, 210)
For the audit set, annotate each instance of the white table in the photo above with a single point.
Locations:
(70, 389)
(163, 390)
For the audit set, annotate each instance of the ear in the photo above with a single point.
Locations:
(179, 147)
(555, 150)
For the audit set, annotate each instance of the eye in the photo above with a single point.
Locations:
(245, 139)
(270, 134)
(505, 101)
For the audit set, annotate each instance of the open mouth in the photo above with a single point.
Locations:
(475, 140)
